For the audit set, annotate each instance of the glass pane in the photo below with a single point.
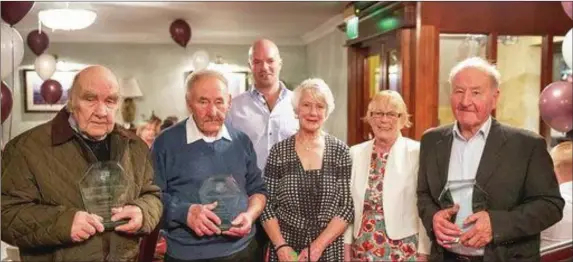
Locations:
(393, 71)
(453, 49)
(374, 74)
(519, 62)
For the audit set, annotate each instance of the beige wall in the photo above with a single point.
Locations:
(520, 68)
(159, 68)
(327, 59)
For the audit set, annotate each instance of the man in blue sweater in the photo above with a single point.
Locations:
(189, 153)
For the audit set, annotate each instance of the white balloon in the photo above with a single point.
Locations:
(200, 60)
(45, 66)
(10, 41)
(567, 48)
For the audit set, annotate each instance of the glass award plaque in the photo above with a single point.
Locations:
(231, 200)
(105, 186)
(468, 195)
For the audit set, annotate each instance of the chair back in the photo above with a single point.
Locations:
(558, 252)
(147, 245)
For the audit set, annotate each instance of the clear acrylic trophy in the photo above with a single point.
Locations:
(103, 187)
(469, 196)
(231, 200)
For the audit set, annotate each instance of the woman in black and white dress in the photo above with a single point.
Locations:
(307, 176)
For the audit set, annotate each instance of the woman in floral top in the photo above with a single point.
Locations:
(383, 185)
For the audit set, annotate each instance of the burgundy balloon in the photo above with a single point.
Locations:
(568, 8)
(51, 90)
(180, 32)
(14, 11)
(38, 42)
(6, 100)
(556, 106)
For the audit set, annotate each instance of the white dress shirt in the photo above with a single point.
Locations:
(562, 230)
(464, 162)
(193, 133)
(250, 114)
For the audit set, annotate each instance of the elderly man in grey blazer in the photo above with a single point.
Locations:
(512, 194)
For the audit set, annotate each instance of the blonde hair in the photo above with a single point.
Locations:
(319, 89)
(149, 123)
(562, 154)
(195, 77)
(391, 98)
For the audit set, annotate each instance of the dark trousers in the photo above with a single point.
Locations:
(453, 257)
(262, 242)
(247, 254)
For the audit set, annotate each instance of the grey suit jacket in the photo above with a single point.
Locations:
(516, 172)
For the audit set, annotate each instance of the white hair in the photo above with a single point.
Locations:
(319, 89)
(196, 76)
(479, 64)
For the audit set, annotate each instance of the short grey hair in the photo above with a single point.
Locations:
(196, 76)
(479, 64)
(319, 89)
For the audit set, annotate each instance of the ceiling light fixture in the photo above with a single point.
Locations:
(67, 19)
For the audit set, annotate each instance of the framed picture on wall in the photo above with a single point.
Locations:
(237, 81)
(33, 100)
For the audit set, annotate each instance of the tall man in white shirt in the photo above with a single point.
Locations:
(265, 111)
(563, 166)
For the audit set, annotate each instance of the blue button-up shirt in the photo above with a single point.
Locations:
(250, 114)
(464, 161)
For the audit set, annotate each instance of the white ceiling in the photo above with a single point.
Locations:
(286, 23)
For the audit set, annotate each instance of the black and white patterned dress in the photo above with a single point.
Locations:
(305, 201)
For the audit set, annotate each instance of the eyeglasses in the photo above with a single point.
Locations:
(380, 114)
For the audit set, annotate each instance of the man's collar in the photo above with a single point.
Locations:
(74, 126)
(193, 133)
(484, 129)
(63, 132)
(282, 88)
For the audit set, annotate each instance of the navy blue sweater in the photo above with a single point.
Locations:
(180, 169)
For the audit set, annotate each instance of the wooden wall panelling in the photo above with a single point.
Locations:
(425, 114)
(406, 50)
(384, 63)
(491, 52)
(365, 96)
(546, 78)
(355, 94)
(504, 17)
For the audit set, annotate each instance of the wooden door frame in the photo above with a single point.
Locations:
(420, 25)
(355, 96)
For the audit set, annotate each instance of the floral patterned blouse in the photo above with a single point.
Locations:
(372, 243)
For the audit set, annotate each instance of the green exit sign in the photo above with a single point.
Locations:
(352, 28)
